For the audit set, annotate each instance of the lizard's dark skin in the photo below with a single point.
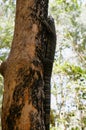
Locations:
(48, 65)
(48, 59)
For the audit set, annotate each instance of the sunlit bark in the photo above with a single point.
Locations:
(23, 70)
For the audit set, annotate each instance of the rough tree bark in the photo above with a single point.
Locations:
(26, 100)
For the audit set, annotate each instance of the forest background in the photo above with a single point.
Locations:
(68, 98)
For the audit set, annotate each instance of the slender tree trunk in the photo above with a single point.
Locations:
(23, 70)
(27, 71)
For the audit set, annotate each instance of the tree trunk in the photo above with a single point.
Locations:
(23, 71)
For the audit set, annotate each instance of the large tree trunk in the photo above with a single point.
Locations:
(23, 101)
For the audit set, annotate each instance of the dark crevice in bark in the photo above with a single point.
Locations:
(3, 67)
(41, 8)
(36, 123)
(32, 80)
(14, 114)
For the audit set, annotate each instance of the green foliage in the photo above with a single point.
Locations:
(6, 27)
(75, 128)
(84, 120)
(6, 33)
(69, 69)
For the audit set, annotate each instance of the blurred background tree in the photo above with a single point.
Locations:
(68, 98)
(69, 71)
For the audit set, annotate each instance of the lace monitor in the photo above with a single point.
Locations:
(48, 64)
(48, 59)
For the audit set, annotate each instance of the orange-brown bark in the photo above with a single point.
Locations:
(23, 76)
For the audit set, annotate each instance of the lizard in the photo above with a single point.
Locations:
(48, 65)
